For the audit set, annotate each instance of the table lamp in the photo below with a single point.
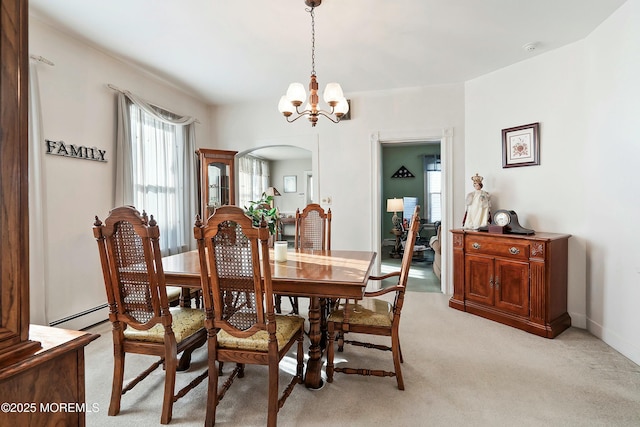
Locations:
(395, 205)
(272, 191)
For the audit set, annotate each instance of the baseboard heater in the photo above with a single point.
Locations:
(85, 318)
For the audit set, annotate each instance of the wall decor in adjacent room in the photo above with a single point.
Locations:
(403, 172)
(290, 184)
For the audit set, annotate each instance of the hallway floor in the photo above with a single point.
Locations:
(421, 275)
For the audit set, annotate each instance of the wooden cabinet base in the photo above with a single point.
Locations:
(547, 330)
(516, 280)
(47, 387)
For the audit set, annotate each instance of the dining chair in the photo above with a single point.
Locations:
(238, 299)
(313, 231)
(374, 316)
(143, 322)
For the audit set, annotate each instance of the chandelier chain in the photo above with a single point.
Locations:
(313, 41)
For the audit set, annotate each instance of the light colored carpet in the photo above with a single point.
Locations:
(421, 275)
(459, 370)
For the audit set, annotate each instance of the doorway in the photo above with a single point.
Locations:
(411, 176)
(378, 208)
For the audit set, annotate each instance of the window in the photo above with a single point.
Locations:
(253, 178)
(409, 204)
(157, 171)
(433, 187)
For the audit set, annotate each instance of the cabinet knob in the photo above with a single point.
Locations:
(514, 251)
(491, 282)
(476, 245)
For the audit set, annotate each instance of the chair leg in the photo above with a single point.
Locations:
(171, 364)
(212, 391)
(330, 345)
(272, 415)
(118, 379)
(185, 360)
(294, 304)
(340, 339)
(300, 355)
(278, 304)
(397, 360)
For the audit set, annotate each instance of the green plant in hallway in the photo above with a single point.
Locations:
(263, 208)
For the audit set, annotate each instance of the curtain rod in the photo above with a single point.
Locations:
(116, 88)
(41, 59)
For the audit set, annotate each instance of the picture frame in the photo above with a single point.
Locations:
(290, 184)
(521, 146)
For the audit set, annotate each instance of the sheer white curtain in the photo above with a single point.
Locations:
(37, 254)
(253, 179)
(155, 169)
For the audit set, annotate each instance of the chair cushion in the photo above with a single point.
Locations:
(370, 311)
(173, 293)
(185, 322)
(286, 328)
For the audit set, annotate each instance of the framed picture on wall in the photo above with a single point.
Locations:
(521, 146)
(290, 184)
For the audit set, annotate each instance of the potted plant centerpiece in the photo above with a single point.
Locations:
(264, 209)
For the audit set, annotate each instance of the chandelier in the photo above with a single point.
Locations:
(296, 95)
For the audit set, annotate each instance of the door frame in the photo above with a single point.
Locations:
(445, 136)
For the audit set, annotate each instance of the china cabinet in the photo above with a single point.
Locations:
(216, 179)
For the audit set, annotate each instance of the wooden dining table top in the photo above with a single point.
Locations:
(321, 273)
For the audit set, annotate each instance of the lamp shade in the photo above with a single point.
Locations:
(285, 106)
(296, 93)
(272, 191)
(342, 107)
(395, 205)
(332, 93)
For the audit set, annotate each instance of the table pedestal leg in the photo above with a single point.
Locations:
(313, 376)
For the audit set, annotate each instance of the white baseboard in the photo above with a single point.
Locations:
(620, 344)
(84, 319)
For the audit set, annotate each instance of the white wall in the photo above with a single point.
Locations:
(287, 203)
(586, 97)
(344, 150)
(612, 150)
(78, 108)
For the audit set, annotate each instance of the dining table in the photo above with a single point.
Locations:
(309, 273)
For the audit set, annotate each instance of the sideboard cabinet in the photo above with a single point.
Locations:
(517, 280)
(217, 179)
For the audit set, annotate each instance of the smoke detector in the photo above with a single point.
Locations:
(530, 47)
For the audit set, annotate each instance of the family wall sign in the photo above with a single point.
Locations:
(60, 148)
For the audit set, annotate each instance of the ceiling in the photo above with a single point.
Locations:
(236, 50)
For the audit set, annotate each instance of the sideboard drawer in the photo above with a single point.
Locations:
(486, 245)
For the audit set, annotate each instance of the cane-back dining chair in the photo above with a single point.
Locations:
(374, 316)
(313, 231)
(139, 311)
(238, 300)
(313, 228)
